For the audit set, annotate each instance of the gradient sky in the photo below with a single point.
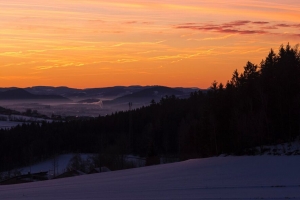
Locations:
(95, 43)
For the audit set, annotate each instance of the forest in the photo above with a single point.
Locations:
(258, 106)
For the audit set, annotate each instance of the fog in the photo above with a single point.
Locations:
(73, 108)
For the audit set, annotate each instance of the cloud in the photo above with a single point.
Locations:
(135, 22)
(237, 23)
(23, 77)
(270, 27)
(288, 25)
(146, 52)
(183, 56)
(231, 28)
(131, 22)
(242, 27)
(217, 38)
(126, 60)
(283, 25)
(242, 31)
(260, 22)
(96, 21)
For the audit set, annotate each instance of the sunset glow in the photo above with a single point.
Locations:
(95, 43)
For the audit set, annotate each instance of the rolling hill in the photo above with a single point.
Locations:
(89, 93)
(21, 94)
(146, 95)
(105, 93)
(244, 177)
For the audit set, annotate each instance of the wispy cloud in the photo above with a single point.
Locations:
(235, 27)
(286, 25)
(243, 27)
(219, 38)
(22, 77)
(260, 22)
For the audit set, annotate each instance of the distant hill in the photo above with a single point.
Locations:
(146, 95)
(49, 90)
(105, 93)
(21, 94)
(5, 111)
(89, 93)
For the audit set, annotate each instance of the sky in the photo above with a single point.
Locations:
(95, 43)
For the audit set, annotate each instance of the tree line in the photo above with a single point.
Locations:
(258, 106)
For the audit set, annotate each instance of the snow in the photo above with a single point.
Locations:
(61, 163)
(135, 160)
(14, 120)
(8, 124)
(292, 148)
(30, 119)
(245, 177)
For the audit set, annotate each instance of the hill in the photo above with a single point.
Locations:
(244, 177)
(89, 93)
(105, 93)
(146, 95)
(21, 94)
(5, 111)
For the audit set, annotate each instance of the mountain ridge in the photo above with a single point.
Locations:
(105, 93)
(156, 93)
(22, 94)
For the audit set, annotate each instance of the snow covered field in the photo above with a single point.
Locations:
(60, 165)
(18, 120)
(8, 124)
(62, 161)
(245, 177)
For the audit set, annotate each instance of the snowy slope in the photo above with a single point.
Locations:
(60, 166)
(18, 120)
(62, 161)
(292, 148)
(257, 177)
(8, 124)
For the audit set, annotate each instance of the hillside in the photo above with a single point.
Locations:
(89, 93)
(5, 111)
(21, 94)
(256, 177)
(105, 93)
(146, 95)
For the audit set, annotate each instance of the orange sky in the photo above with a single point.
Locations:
(95, 43)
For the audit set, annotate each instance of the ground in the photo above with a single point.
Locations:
(231, 177)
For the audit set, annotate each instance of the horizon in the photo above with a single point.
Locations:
(102, 87)
(92, 44)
